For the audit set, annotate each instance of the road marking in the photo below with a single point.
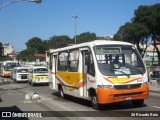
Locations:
(156, 107)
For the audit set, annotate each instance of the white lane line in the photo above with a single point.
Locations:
(156, 107)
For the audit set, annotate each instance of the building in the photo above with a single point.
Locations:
(7, 49)
(151, 57)
(13, 55)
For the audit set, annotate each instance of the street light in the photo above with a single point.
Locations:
(36, 1)
(75, 17)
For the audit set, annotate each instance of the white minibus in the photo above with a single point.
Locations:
(100, 71)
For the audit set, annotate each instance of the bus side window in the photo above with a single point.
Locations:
(90, 64)
(62, 61)
(73, 61)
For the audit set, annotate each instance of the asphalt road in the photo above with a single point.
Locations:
(51, 106)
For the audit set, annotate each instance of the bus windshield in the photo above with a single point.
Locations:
(10, 66)
(118, 60)
(22, 71)
(41, 70)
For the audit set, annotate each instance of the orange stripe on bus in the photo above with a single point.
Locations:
(81, 84)
(108, 80)
(53, 72)
(132, 80)
(60, 81)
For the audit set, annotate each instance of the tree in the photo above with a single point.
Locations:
(85, 37)
(36, 46)
(33, 44)
(120, 35)
(136, 33)
(150, 17)
(59, 41)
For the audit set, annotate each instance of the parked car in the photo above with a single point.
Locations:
(20, 74)
(37, 75)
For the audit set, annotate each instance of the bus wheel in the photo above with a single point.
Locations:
(94, 102)
(62, 93)
(137, 103)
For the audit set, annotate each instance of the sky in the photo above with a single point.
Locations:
(20, 21)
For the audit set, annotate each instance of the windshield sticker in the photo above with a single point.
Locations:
(116, 66)
(117, 71)
(122, 70)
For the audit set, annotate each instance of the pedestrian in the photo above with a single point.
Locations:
(150, 76)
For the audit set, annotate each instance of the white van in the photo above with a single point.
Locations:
(20, 74)
(38, 74)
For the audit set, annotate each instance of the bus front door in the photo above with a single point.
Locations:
(84, 74)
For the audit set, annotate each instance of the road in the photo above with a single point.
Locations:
(12, 98)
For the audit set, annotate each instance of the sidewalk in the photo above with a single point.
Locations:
(154, 87)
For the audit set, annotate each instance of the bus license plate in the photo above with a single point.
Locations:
(128, 98)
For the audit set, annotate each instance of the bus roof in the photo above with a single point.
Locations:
(4, 62)
(21, 68)
(34, 67)
(92, 43)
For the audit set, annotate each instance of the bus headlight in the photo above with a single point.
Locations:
(144, 83)
(140, 80)
(104, 86)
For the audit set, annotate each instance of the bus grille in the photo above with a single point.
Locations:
(126, 87)
(128, 94)
(23, 76)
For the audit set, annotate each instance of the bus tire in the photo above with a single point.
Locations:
(94, 102)
(138, 103)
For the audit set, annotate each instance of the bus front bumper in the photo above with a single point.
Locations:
(40, 81)
(7, 75)
(111, 95)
